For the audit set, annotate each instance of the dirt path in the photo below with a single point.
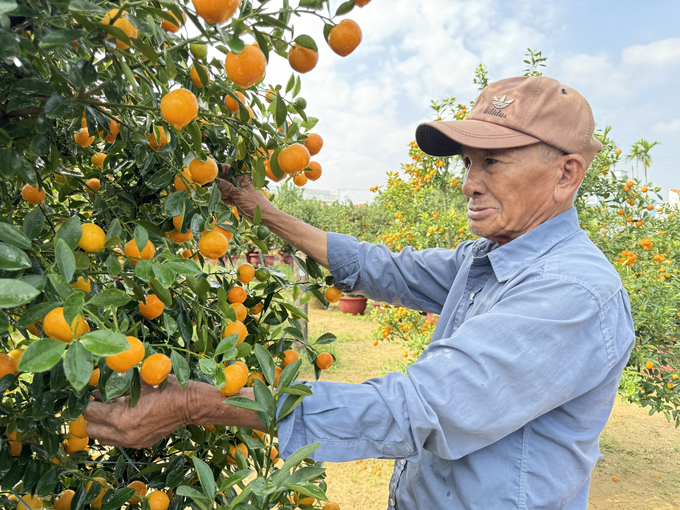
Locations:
(642, 451)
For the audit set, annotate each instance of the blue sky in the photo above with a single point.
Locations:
(623, 56)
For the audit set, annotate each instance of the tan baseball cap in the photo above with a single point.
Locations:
(515, 112)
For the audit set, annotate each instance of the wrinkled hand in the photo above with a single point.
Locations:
(158, 412)
(244, 196)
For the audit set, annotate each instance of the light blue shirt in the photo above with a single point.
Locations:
(504, 407)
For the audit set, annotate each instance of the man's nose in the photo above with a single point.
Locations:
(473, 182)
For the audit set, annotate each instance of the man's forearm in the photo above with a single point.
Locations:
(304, 237)
(209, 408)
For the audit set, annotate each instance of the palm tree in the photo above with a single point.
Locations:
(645, 147)
(640, 153)
(635, 155)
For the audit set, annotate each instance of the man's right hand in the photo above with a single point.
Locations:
(304, 237)
(243, 196)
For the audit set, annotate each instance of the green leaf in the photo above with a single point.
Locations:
(259, 174)
(289, 373)
(327, 30)
(266, 363)
(326, 338)
(110, 297)
(34, 222)
(215, 197)
(126, 69)
(60, 37)
(234, 478)
(60, 285)
(113, 266)
(308, 489)
(115, 499)
(205, 475)
(180, 367)
(299, 455)
(78, 366)
(227, 343)
(115, 229)
(274, 164)
(12, 258)
(7, 6)
(66, 261)
(14, 293)
(190, 492)
(12, 235)
(257, 216)
(289, 405)
(34, 313)
(169, 64)
(85, 8)
(141, 237)
(42, 355)
(174, 205)
(243, 403)
(306, 42)
(196, 136)
(70, 231)
(104, 342)
(262, 43)
(236, 45)
(345, 7)
(48, 481)
(116, 385)
(184, 267)
(73, 305)
(297, 389)
(264, 397)
(280, 110)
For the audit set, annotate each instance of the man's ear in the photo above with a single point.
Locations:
(572, 169)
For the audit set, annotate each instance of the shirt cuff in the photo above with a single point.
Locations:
(343, 259)
(290, 429)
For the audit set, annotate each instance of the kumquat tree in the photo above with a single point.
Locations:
(623, 216)
(113, 125)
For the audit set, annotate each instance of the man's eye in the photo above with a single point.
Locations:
(491, 161)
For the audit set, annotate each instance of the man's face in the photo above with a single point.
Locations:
(508, 191)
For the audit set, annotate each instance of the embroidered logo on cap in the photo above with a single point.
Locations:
(502, 103)
(498, 105)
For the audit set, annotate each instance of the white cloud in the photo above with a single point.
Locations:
(661, 53)
(672, 126)
(597, 73)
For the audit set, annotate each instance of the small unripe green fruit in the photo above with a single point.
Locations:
(199, 51)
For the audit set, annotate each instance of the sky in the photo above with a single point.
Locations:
(623, 56)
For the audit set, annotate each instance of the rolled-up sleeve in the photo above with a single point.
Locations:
(466, 391)
(420, 280)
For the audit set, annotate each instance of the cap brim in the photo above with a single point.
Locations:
(444, 138)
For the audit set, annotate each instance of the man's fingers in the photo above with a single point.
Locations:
(101, 432)
(99, 412)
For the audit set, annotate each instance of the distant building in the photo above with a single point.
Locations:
(340, 195)
(674, 197)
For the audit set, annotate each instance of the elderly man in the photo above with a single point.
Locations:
(504, 408)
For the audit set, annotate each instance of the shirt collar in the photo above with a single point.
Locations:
(509, 259)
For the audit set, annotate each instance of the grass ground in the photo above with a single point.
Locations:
(642, 451)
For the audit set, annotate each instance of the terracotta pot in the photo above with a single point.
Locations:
(353, 305)
(432, 317)
(288, 259)
(269, 259)
(253, 258)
